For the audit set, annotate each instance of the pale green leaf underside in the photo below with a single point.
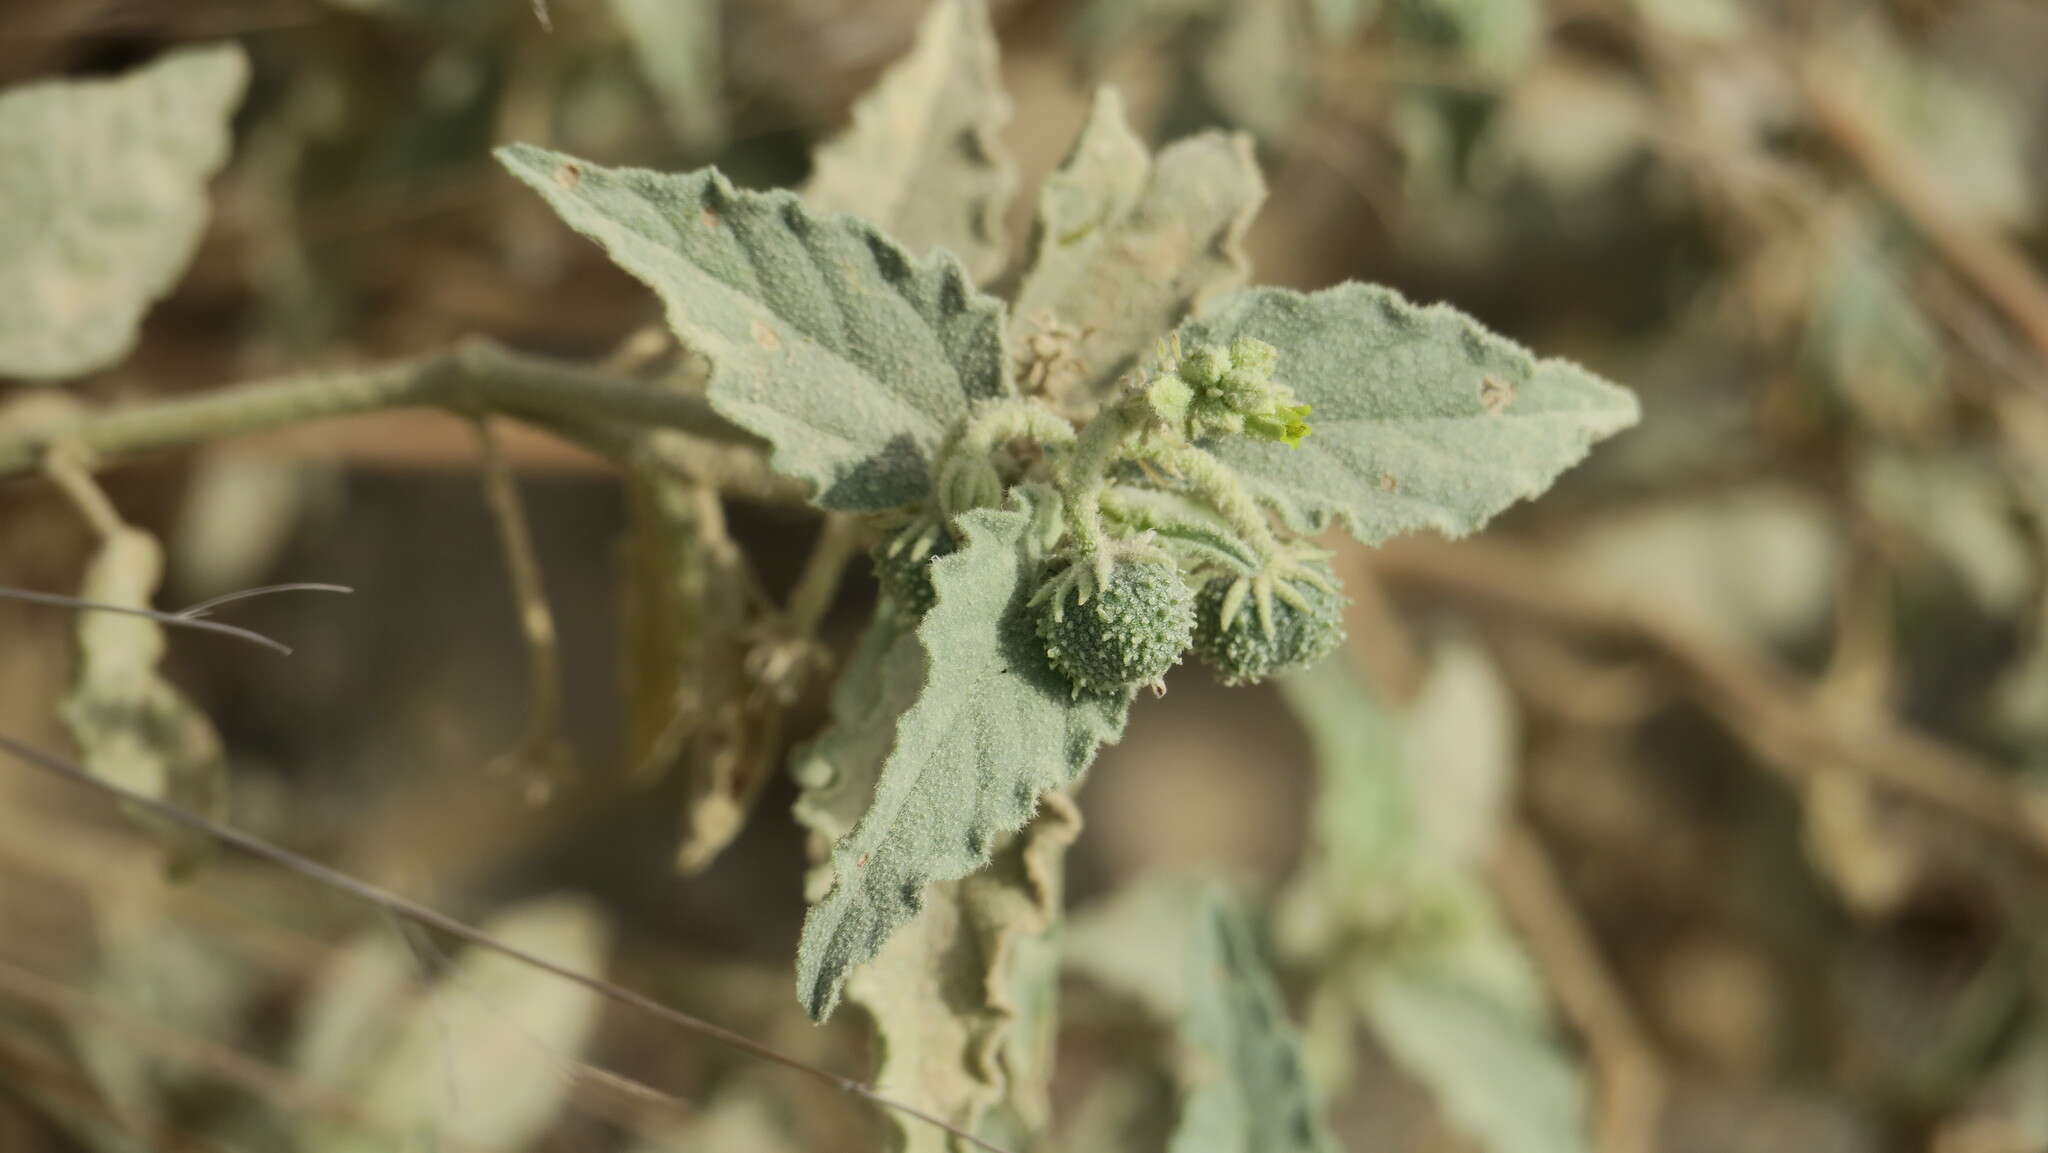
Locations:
(494, 1034)
(1126, 245)
(1498, 1076)
(102, 200)
(1188, 953)
(1422, 418)
(825, 338)
(679, 49)
(994, 728)
(923, 157)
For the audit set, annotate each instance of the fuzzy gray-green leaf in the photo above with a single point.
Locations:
(1126, 245)
(1422, 418)
(1189, 955)
(923, 157)
(994, 728)
(824, 337)
(102, 200)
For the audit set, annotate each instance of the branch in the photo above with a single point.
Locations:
(1764, 705)
(474, 376)
(419, 914)
(1996, 269)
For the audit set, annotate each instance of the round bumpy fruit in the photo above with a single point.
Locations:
(1245, 651)
(903, 566)
(1133, 628)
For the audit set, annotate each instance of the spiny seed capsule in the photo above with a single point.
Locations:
(903, 566)
(1132, 629)
(1244, 652)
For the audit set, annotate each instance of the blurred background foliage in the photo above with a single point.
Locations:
(1701, 806)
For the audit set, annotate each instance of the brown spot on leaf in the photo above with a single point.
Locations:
(710, 218)
(862, 863)
(569, 175)
(1388, 483)
(765, 335)
(1495, 395)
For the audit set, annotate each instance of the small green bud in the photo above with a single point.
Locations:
(1205, 366)
(1168, 397)
(1254, 356)
(1129, 631)
(1299, 623)
(903, 565)
(1286, 425)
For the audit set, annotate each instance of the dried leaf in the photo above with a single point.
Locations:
(924, 158)
(690, 707)
(824, 337)
(103, 203)
(1390, 909)
(1421, 417)
(1187, 952)
(962, 998)
(994, 729)
(134, 728)
(1127, 245)
(679, 49)
(1752, 565)
(479, 1061)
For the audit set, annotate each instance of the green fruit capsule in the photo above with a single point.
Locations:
(1129, 631)
(903, 566)
(1306, 622)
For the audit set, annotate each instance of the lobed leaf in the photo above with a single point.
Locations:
(924, 157)
(824, 337)
(1422, 418)
(1188, 953)
(993, 729)
(102, 200)
(1126, 245)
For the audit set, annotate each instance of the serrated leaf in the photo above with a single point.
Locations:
(491, 1036)
(133, 727)
(962, 997)
(994, 729)
(1127, 245)
(824, 337)
(102, 202)
(923, 157)
(1187, 952)
(1422, 418)
(679, 49)
(836, 773)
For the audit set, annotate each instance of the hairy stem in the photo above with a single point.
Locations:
(1218, 487)
(474, 376)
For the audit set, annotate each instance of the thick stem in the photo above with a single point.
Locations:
(474, 376)
(1086, 471)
